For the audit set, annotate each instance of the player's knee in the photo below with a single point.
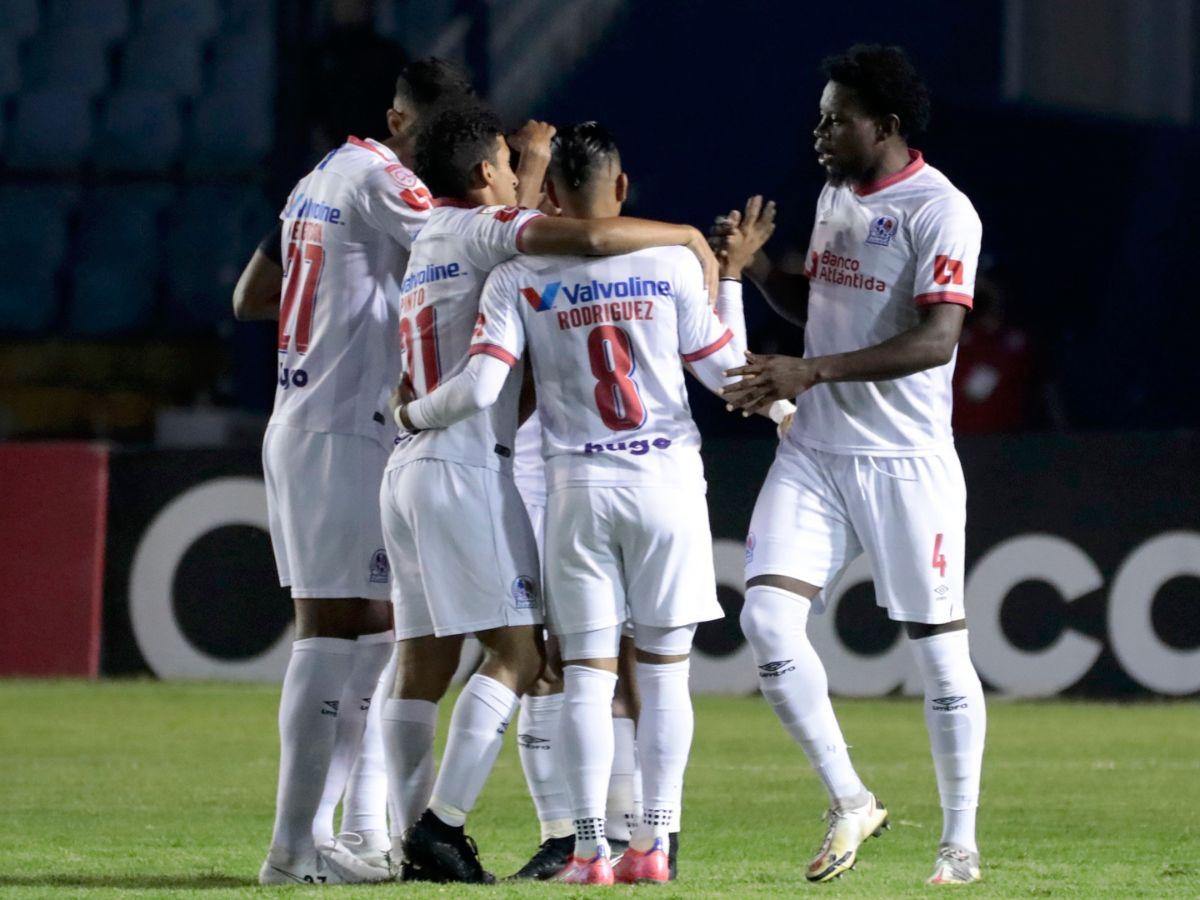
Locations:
(761, 627)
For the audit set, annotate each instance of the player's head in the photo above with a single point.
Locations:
(585, 177)
(462, 153)
(422, 87)
(873, 98)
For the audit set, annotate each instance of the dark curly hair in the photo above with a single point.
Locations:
(886, 83)
(429, 81)
(578, 152)
(452, 144)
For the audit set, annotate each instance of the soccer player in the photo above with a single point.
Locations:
(869, 462)
(347, 228)
(461, 543)
(627, 522)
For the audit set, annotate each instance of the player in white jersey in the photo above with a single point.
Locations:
(869, 462)
(627, 523)
(346, 230)
(463, 550)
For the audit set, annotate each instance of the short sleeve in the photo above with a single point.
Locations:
(393, 200)
(499, 331)
(700, 330)
(493, 233)
(946, 234)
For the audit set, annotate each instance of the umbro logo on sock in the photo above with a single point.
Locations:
(947, 704)
(366, 704)
(777, 668)
(330, 708)
(533, 742)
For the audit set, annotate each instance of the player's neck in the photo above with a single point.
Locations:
(591, 210)
(894, 158)
(485, 196)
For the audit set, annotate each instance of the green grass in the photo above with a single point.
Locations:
(145, 789)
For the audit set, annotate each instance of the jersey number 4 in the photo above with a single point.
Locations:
(611, 354)
(304, 262)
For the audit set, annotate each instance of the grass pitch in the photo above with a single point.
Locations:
(140, 788)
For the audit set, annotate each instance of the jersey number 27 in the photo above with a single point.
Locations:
(304, 262)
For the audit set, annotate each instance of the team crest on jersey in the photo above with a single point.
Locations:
(380, 571)
(524, 592)
(543, 301)
(883, 230)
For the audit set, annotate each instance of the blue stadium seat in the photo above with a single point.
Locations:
(150, 62)
(181, 19)
(10, 67)
(110, 299)
(139, 132)
(121, 224)
(229, 131)
(248, 17)
(28, 300)
(20, 19)
(71, 58)
(52, 130)
(104, 18)
(245, 65)
(35, 227)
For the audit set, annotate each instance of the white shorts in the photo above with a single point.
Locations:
(614, 553)
(462, 550)
(817, 511)
(323, 509)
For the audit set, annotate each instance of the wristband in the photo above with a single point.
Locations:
(400, 422)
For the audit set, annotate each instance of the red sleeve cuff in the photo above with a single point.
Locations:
(493, 350)
(521, 230)
(710, 349)
(944, 297)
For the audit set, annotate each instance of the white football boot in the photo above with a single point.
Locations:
(330, 863)
(848, 828)
(955, 865)
(372, 847)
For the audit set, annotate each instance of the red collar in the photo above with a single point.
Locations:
(916, 162)
(453, 201)
(380, 150)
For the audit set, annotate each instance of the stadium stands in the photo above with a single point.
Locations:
(139, 132)
(150, 62)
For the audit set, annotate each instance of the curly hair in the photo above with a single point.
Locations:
(578, 151)
(429, 81)
(452, 144)
(886, 83)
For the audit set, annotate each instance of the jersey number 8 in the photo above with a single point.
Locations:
(617, 397)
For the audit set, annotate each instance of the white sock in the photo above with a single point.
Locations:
(370, 657)
(537, 746)
(308, 716)
(408, 727)
(793, 681)
(957, 722)
(664, 739)
(586, 750)
(622, 816)
(477, 727)
(365, 802)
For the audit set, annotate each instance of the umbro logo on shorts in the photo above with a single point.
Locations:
(777, 668)
(329, 708)
(533, 742)
(946, 704)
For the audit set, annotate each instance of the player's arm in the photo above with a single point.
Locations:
(614, 236)
(946, 238)
(532, 142)
(256, 294)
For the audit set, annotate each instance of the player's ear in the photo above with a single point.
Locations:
(395, 121)
(889, 126)
(484, 174)
(622, 187)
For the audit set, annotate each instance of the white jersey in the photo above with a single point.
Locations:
(606, 337)
(347, 229)
(529, 469)
(439, 306)
(878, 254)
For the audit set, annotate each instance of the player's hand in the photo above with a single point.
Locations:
(401, 396)
(765, 379)
(533, 137)
(738, 236)
(708, 262)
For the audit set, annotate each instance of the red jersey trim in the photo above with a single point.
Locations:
(521, 230)
(710, 349)
(453, 201)
(493, 350)
(944, 297)
(916, 162)
(366, 145)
